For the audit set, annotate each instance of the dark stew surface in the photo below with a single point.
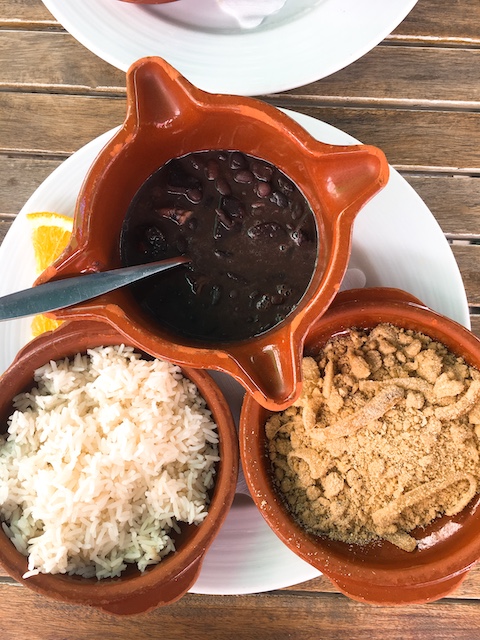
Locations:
(249, 231)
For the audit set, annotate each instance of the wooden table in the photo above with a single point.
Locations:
(417, 96)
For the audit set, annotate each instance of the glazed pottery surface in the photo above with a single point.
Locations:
(167, 117)
(134, 592)
(379, 573)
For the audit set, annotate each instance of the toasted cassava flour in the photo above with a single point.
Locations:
(384, 438)
(102, 459)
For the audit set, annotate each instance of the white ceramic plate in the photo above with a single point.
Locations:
(396, 242)
(305, 41)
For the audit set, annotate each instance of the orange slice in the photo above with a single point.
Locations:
(51, 234)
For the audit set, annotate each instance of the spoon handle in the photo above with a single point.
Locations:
(58, 294)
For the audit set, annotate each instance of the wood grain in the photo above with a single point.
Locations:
(426, 77)
(266, 616)
(46, 60)
(25, 13)
(434, 140)
(442, 22)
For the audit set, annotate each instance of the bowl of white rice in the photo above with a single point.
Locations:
(117, 470)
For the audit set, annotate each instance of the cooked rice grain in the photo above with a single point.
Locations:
(102, 459)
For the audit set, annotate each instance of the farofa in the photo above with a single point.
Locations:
(384, 438)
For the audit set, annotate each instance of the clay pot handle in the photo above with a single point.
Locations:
(353, 175)
(374, 295)
(415, 594)
(271, 371)
(157, 94)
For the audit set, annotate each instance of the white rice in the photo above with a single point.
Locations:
(101, 461)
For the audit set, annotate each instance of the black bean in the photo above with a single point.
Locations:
(224, 218)
(243, 176)
(222, 186)
(279, 199)
(233, 207)
(262, 171)
(262, 189)
(212, 170)
(194, 195)
(285, 185)
(299, 236)
(238, 160)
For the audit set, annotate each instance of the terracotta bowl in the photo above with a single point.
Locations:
(378, 573)
(161, 584)
(167, 117)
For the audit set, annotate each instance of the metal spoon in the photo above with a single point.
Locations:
(64, 293)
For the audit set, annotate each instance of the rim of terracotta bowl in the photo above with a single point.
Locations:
(171, 578)
(378, 573)
(168, 117)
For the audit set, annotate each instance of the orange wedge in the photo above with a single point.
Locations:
(51, 234)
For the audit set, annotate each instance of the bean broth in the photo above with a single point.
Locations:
(249, 231)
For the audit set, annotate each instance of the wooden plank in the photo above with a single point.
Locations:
(453, 200)
(270, 617)
(25, 13)
(417, 76)
(468, 260)
(43, 60)
(19, 177)
(439, 21)
(55, 124)
(430, 140)
(438, 140)
(469, 589)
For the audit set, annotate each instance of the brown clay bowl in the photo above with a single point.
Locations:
(167, 117)
(377, 573)
(134, 592)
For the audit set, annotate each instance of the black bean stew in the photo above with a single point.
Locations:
(249, 232)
